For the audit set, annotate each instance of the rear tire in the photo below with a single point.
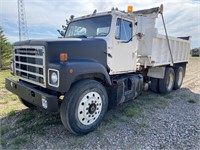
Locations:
(84, 107)
(27, 104)
(166, 85)
(179, 73)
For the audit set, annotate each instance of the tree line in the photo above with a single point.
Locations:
(5, 51)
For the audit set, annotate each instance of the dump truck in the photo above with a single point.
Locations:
(195, 52)
(105, 59)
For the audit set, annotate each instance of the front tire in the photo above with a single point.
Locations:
(84, 107)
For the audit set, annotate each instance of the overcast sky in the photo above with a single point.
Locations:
(44, 17)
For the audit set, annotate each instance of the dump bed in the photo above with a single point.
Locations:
(157, 53)
(153, 48)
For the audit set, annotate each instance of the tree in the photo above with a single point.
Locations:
(5, 51)
(64, 27)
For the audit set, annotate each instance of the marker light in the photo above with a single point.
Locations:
(63, 57)
(44, 102)
(130, 9)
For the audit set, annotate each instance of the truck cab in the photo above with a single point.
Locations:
(117, 29)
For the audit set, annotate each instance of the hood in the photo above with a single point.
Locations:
(77, 48)
(43, 41)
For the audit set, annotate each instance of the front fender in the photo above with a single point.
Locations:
(80, 68)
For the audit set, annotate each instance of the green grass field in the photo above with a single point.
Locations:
(9, 103)
(15, 117)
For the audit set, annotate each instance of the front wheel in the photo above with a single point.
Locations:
(84, 107)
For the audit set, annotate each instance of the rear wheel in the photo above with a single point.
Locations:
(84, 107)
(27, 104)
(166, 85)
(179, 73)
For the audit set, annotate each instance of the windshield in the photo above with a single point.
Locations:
(95, 26)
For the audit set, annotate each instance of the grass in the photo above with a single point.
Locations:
(36, 128)
(42, 122)
(101, 128)
(164, 104)
(50, 119)
(19, 140)
(152, 100)
(2, 143)
(149, 97)
(3, 75)
(124, 119)
(184, 95)
(27, 117)
(4, 129)
(110, 118)
(9, 110)
(6, 110)
(131, 112)
(168, 96)
(11, 113)
(52, 122)
(142, 123)
(108, 122)
(7, 99)
(192, 101)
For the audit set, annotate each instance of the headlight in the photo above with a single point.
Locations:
(53, 76)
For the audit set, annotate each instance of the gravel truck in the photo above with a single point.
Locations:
(104, 59)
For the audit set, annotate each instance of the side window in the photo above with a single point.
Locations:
(123, 30)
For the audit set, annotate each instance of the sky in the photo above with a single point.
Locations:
(44, 17)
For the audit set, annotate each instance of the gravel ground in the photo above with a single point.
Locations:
(169, 121)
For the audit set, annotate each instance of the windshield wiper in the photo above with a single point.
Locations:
(82, 36)
(77, 36)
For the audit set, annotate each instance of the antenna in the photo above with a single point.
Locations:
(23, 30)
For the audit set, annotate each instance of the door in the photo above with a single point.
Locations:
(124, 49)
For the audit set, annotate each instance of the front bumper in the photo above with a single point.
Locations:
(30, 94)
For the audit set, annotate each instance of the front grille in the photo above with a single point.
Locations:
(29, 64)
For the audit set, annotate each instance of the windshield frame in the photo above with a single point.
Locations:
(88, 19)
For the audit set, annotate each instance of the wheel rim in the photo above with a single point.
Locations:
(170, 81)
(180, 77)
(89, 108)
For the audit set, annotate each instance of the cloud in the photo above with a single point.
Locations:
(44, 17)
(182, 20)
